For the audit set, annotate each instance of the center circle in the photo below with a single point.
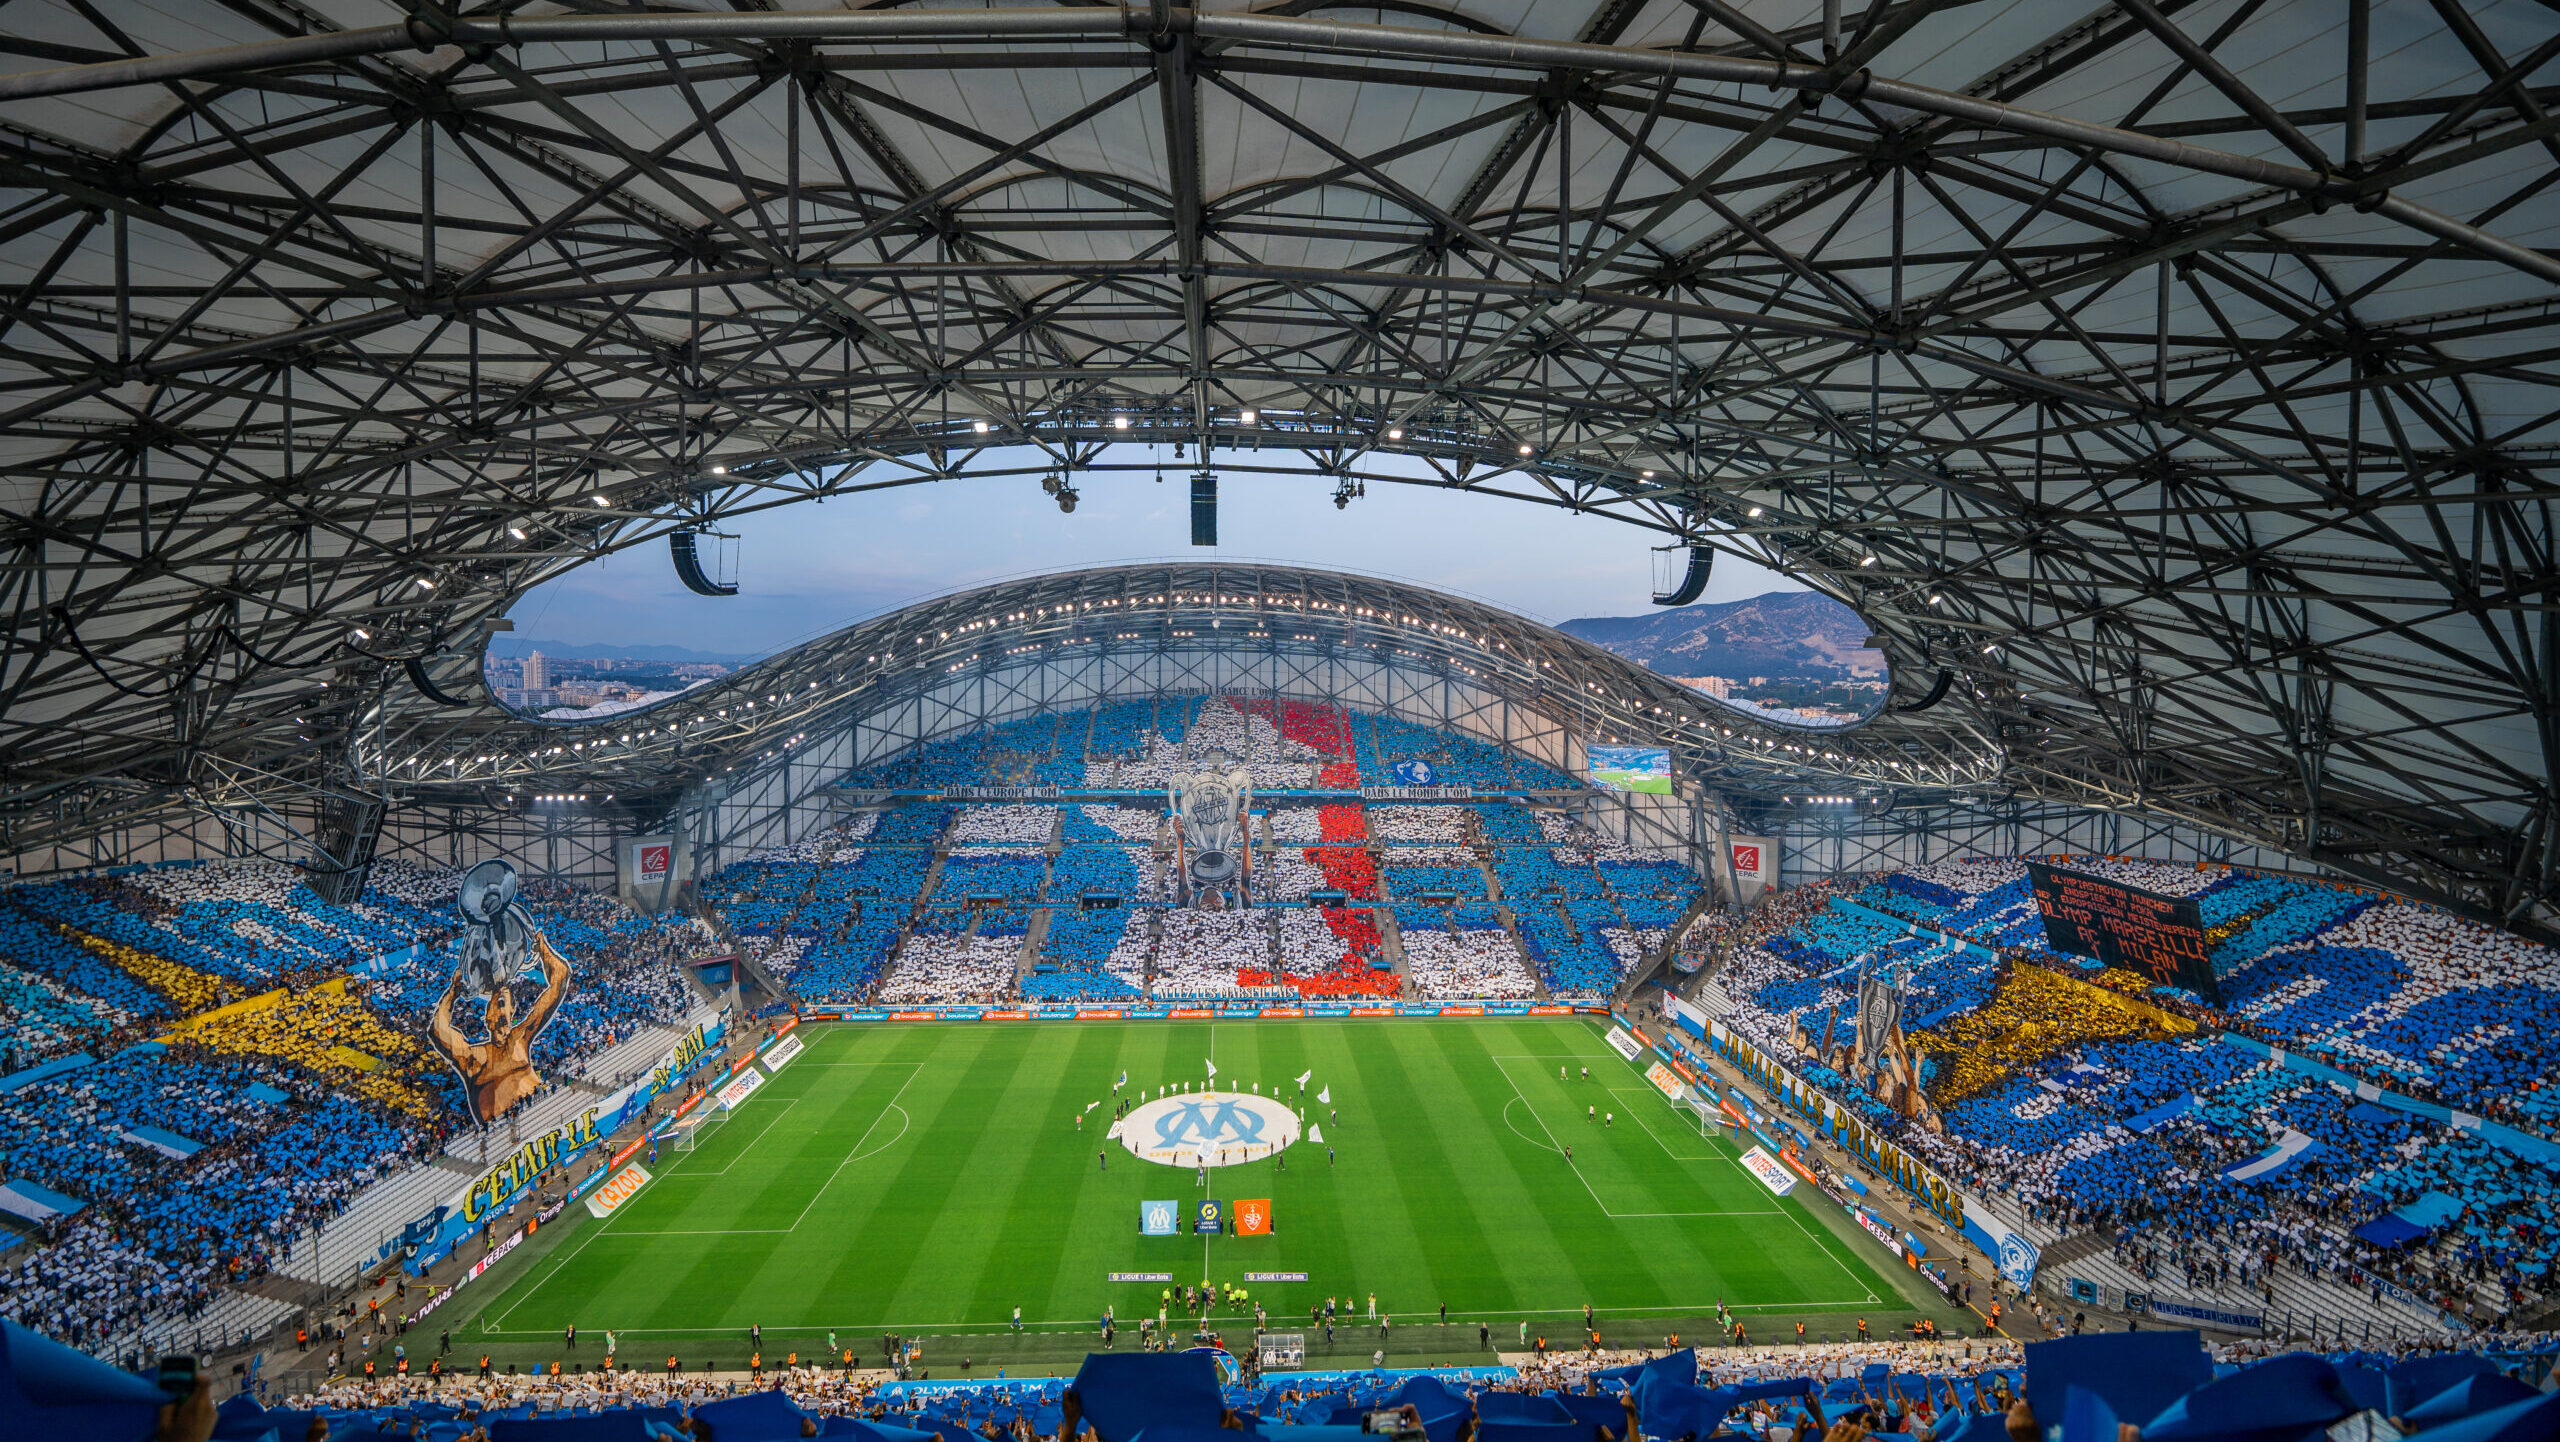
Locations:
(1216, 1129)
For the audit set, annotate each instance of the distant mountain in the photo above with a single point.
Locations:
(509, 646)
(1801, 634)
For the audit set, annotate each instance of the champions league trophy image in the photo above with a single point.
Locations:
(1209, 805)
(499, 945)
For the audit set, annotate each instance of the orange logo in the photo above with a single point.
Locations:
(1253, 1218)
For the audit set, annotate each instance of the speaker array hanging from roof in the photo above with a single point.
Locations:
(1702, 560)
(681, 545)
(1204, 508)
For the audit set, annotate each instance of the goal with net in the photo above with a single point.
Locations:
(690, 1130)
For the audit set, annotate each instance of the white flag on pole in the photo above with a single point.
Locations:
(1302, 1078)
(1213, 1068)
(1315, 1134)
(1325, 1096)
(1089, 1106)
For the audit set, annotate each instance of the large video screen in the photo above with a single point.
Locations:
(1631, 768)
(2161, 937)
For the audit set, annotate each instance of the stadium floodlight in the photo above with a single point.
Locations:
(1395, 433)
(1119, 423)
(1527, 449)
(362, 635)
(719, 470)
(980, 427)
(1249, 416)
(1755, 513)
(1869, 561)
(425, 585)
(516, 531)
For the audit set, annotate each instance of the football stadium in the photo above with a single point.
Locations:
(1906, 793)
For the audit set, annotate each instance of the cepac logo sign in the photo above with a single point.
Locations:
(1155, 1219)
(1253, 1218)
(1207, 1129)
(1209, 1217)
(1746, 858)
(653, 863)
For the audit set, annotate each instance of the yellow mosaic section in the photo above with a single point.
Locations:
(191, 989)
(2036, 1012)
(323, 1030)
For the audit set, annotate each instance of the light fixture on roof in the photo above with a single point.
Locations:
(362, 635)
(1119, 423)
(1395, 433)
(1648, 475)
(1527, 449)
(1869, 561)
(1937, 600)
(516, 531)
(719, 470)
(1249, 416)
(1755, 511)
(425, 585)
(979, 426)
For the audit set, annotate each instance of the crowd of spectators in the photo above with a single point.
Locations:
(2097, 1100)
(259, 1058)
(866, 917)
(1924, 1391)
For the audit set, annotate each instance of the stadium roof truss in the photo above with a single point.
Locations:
(2176, 377)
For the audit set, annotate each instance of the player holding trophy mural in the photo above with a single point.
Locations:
(498, 945)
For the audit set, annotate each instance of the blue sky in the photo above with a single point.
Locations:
(808, 569)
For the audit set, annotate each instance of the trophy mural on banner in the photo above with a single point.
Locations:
(1209, 805)
(500, 949)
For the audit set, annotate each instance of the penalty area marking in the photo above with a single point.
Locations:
(606, 1224)
(1605, 1209)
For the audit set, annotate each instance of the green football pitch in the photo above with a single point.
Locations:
(928, 1179)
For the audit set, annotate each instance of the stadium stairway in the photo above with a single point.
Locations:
(2292, 1303)
(630, 1058)
(235, 1319)
(354, 1238)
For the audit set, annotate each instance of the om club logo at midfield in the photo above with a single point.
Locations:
(1207, 1129)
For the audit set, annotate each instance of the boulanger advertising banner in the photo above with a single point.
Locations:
(625, 1184)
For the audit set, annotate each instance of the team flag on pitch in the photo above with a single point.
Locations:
(1213, 1068)
(1325, 1096)
(1253, 1217)
(1302, 1078)
(1315, 1134)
